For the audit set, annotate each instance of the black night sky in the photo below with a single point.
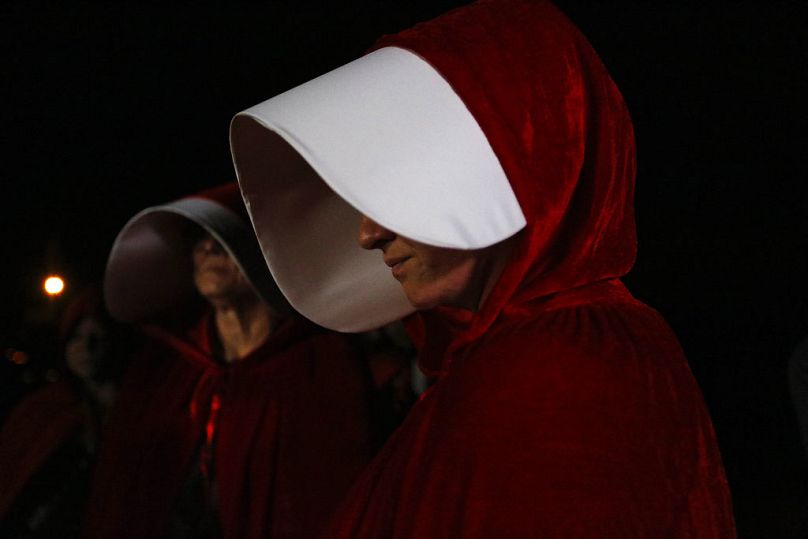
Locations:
(111, 107)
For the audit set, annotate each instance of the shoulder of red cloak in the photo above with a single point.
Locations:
(188, 339)
(194, 343)
(184, 355)
(147, 443)
(581, 385)
(320, 385)
(290, 330)
(34, 429)
(600, 392)
(432, 332)
(331, 386)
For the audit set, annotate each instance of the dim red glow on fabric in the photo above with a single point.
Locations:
(206, 464)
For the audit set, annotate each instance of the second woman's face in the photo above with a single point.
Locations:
(216, 274)
(430, 276)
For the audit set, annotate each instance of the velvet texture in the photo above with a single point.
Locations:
(34, 430)
(53, 415)
(288, 426)
(564, 407)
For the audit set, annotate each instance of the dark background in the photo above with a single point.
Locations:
(109, 107)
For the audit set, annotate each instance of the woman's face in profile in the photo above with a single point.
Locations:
(430, 276)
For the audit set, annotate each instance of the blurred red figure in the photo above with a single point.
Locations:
(488, 159)
(49, 443)
(240, 418)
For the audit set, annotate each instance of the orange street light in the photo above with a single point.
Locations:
(53, 285)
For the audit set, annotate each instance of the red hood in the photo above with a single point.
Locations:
(563, 135)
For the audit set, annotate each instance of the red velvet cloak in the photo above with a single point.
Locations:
(36, 428)
(51, 416)
(290, 434)
(564, 407)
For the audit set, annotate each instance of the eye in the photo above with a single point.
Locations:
(208, 245)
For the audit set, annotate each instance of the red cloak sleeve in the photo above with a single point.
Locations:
(37, 427)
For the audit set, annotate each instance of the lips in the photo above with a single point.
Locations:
(212, 265)
(392, 261)
(396, 265)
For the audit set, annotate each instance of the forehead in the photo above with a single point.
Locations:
(205, 242)
(188, 232)
(204, 237)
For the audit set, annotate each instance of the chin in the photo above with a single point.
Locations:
(422, 301)
(212, 288)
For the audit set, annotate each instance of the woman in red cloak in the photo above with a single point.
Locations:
(49, 442)
(491, 158)
(240, 418)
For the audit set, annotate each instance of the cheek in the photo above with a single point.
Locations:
(78, 360)
(440, 281)
(452, 270)
(237, 277)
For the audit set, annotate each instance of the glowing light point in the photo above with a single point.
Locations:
(54, 285)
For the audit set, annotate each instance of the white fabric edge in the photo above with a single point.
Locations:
(132, 290)
(472, 204)
(329, 114)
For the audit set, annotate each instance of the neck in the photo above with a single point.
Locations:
(491, 271)
(242, 325)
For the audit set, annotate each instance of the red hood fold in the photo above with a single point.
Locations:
(562, 132)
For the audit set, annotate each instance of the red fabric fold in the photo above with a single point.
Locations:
(287, 428)
(36, 428)
(577, 417)
(564, 407)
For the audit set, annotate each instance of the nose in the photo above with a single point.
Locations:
(372, 235)
(207, 245)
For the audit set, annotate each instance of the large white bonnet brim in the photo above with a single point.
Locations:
(385, 136)
(149, 270)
